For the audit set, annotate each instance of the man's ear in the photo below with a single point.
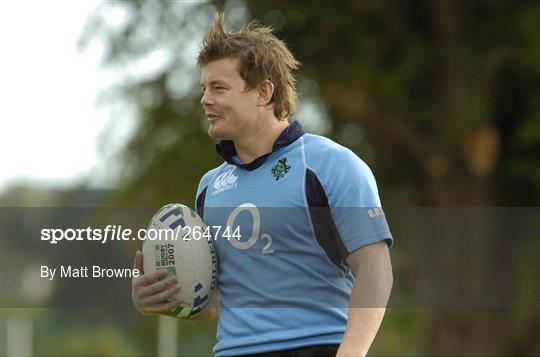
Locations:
(266, 92)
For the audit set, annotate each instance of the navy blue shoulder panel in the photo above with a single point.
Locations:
(325, 229)
(200, 202)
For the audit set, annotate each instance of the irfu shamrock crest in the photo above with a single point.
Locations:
(280, 169)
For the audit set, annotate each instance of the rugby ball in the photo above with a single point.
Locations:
(178, 240)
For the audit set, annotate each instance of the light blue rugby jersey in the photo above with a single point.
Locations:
(285, 283)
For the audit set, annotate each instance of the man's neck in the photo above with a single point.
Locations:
(260, 141)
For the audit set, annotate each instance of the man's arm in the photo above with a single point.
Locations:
(367, 305)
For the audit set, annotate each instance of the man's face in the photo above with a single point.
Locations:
(230, 109)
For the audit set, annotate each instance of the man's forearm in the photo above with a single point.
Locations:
(367, 306)
(361, 330)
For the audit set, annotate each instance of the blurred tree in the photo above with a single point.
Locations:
(149, 47)
(445, 92)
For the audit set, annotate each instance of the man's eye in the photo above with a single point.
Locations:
(220, 88)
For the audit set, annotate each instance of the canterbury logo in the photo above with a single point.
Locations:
(225, 181)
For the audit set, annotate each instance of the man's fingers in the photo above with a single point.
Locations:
(160, 286)
(156, 275)
(164, 295)
(154, 289)
(138, 261)
(150, 278)
(172, 304)
(163, 307)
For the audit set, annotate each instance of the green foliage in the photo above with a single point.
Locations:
(169, 149)
(441, 98)
(419, 77)
(433, 70)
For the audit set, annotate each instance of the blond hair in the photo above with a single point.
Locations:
(262, 56)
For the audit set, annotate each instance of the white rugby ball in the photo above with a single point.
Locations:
(176, 241)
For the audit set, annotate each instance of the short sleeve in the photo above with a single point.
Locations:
(351, 192)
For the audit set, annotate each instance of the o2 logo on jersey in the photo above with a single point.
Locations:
(255, 231)
(225, 181)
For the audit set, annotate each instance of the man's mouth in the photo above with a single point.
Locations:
(212, 116)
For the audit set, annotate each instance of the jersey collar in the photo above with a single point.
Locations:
(225, 148)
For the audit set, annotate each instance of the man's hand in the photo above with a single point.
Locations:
(151, 291)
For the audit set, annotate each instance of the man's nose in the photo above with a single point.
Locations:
(206, 99)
